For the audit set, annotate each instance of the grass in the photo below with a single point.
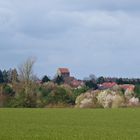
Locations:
(69, 124)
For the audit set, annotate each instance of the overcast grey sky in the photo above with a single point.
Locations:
(87, 36)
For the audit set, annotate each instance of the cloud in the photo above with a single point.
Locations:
(100, 37)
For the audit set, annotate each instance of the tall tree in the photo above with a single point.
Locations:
(9, 73)
(14, 75)
(26, 70)
(5, 76)
(26, 75)
(100, 80)
(1, 77)
(93, 78)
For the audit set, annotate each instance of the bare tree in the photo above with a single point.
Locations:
(26, 71)
(92, 77)
(26, 78)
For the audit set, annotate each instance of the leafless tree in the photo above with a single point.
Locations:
(26, 70)
(26, 74)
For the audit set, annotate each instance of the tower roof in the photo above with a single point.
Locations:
(64, 70)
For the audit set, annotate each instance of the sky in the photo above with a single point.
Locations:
(100, 37)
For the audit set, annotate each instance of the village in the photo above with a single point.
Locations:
(105, 83)
(21, 88)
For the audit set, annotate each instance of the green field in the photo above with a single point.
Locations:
(69, 124)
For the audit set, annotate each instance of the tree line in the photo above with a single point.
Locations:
(18, 88)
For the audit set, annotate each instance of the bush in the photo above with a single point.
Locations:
(8, 91)
(60, 95)
(90, 84)
(79, 91)
(44, 91)
(105, 99)
(133, 102)
(137, 91)
(87, 100)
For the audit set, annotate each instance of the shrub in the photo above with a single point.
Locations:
(118, 101)
(129, 94)
(137, 91)
(79, 91)
(105, 99)
(7, 90)
(60, 95)
(87, 100)
(133, 101)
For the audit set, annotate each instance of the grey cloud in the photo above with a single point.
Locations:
(103, 4)
(100, 37)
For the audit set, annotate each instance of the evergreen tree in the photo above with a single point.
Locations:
(45, 79)
(59, 80)
(1, 77)
(91, 84)
(100, 80)
(5, 76)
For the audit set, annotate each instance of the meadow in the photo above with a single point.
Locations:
(69, 124)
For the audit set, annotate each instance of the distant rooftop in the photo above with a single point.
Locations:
(109, 84)
(64, 70)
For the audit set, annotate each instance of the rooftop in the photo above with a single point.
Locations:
(64, 70)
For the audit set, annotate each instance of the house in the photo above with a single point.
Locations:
(64, 72)
(107, 85)
(128, 87)
(68, 80)
(77, 83)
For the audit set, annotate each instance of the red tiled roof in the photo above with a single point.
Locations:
(127, 86)
(109, 84)
(64, 70)
(76, 83)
